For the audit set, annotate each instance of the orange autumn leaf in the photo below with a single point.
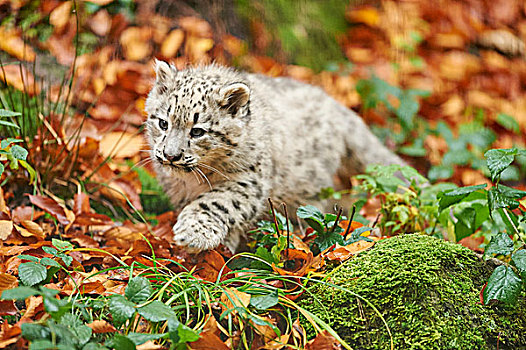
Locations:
(101, 326)
(6, 227)
(12, 43)
(7, 281)
(172, 43)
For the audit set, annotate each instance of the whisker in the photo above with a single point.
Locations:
(213, 169)
(201, 172)
(142, 163)
(195, 175)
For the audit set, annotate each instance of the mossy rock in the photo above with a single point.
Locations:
(428, 292)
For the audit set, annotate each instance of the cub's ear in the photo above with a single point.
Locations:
(163, 72)
(234, 96)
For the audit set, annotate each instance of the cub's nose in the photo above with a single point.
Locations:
(172, 157)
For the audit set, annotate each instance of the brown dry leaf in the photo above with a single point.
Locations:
(120, 190)
(198, 47)
(50, 206)
(122, 233)
(149, 345)
(345, 252)
(367, 15)
(33, 228)
(13, 76)
(208, 341)
(59, 17)
(8, 308)
(33, 305)
(3, 207)
(100, 24)
(121, 145)
(7, 281)
(232, 297)
(136, 43)
(196, 26)
(323, 341)
(6, 227)
(12, 43)
(101, 326)
(172, 43)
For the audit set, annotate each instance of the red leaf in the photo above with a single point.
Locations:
(51, 207)
(7, 308)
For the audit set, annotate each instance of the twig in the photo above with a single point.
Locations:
(348, 229)
(376, 220)
(288, 230)
(274, 216)
(337, 219)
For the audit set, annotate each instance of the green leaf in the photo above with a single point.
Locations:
(65, 258)
(519, 260)
(19, 293)
(28, 257)
(508, 122)
(186, 335)
(356, 235)
(498, 160)
(3, 122)
(328, 239)
(2, 168)
(156, 311)
(31, 273)
(19, 152)
(466, 224)
(6, 142)
(56, 307)
(33, 331)
(121, 342)
(6, 113)
(138, 290)
(61, 245)
(264, 254)
(500, 243)
(503, 285)
(141, 338)
(80, 331)
(457, 157)
(263, 302)
(49, 262)
(504, 197)
(440, 172)
(312, 216)
(121, 309)
(50, 250)
(453, 196)
(30, 170)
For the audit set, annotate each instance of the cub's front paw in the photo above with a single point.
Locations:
(196, 235)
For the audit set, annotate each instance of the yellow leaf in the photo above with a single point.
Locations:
(172, 43)
(6, 227)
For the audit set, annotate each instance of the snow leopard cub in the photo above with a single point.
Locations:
(224, 141)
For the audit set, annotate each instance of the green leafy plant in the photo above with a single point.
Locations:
(474, 205)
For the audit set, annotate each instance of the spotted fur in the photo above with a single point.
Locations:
(224, 141)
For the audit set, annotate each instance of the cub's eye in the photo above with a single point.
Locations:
(197, 132)
(163, 124)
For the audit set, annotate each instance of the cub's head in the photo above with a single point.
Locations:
(195, 116)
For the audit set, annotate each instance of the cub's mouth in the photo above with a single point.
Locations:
(176, 166)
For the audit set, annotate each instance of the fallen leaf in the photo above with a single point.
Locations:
(136, 43)
(172, 43)
(232, 297)
(7, 281)
(121, 145)
(323, 341)
(8, 308)
(59, 17)
(6, 227)
(51, 207)
(12, 43)
(101, 326)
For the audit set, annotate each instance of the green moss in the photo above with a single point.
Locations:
(426, 289)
